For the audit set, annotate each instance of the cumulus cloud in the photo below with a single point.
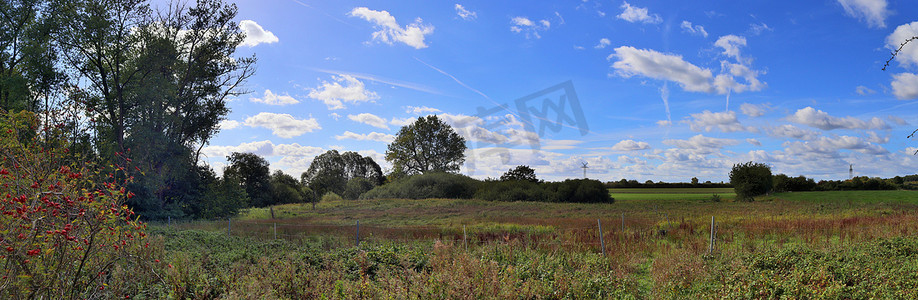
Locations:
(369, 119)
(372, 136)
(664, 123)
(905, 86)
(830, 146)
(283, 125)
(465, 14)
(344, 88)
(752, 110)
(726, 82)
(635, 14)
(603, 42)
(274, 99)
(731, 44)
(255, 35)
(402, 121)
(700, 144)
(874, 12)
(909, 54)
(527, 27)
(863, 90)
(653, 64)
(693, 29)
(707, 121)
(389, 31)
(816, 118)
(228, 124)
(630, 145)
(754, 142)
(263, 148)
(794, 132)
(420, 110)
(897, 120)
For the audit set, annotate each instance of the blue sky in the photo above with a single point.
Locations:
(667, 90)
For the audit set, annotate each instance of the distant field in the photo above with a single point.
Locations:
(690, 194)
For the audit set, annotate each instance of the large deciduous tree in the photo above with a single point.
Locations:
(428, 144)
(520, 173)
(252, 172)
(331, 171)
(28, 73)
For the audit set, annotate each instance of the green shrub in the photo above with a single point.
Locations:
(356, 187)
(580, 190)
(751, 179)
(426, 186)
(515, 190)
(330, 196)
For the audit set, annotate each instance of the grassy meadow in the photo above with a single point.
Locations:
(852, 244)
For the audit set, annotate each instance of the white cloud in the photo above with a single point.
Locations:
(909, 54)
(863, 90)
(527, 27)
(653, 64)
(757, 29)
(794, 132)
(283, 125)
(255, 35)
(630, 145)
(822, 120)
(693, 29)
(603, 42)
(262, 148)
(872, 11)
(274, 99)
(638, 14)
(731, 44)
(897, 120)
(402, 121)
(369, 119)
(560, 144)
(700, 144)
(664, 123)
(335, 116)
(754, 142)
(420, 110)
(905, 86)
(334, 94)
(875, 138)
(753, 110)
(389, 31)
(372, 136)
(829, 146)
(707, 121)
(465, 14)
(726, 83)
(228, 124)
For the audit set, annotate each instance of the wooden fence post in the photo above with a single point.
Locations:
(465, 239)
(602, 243)
(711, 249)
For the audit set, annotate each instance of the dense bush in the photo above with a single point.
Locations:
(580, 190)
(750, 179)
(356, 187)
(515, 190)
(424, 186)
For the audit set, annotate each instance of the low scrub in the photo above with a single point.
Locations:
(425, 186)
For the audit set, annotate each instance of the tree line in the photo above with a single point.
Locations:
(752, 179)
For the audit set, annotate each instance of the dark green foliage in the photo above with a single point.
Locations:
(425, 186)
(286, 189)
(625, 183)
(515, 190)
(751, 179)
(428, 144)
(356, 187)
(331, 171)
(222, 198)
(251, 171)
(783, 183)
(520, 173)
(581, 190)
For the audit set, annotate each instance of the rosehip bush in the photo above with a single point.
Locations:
(63, 224)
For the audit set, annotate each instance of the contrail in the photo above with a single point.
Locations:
(454, 79)
(664, 93)
(728, 100)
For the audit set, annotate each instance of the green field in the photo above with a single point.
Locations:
(672, 194)
(859, 244)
